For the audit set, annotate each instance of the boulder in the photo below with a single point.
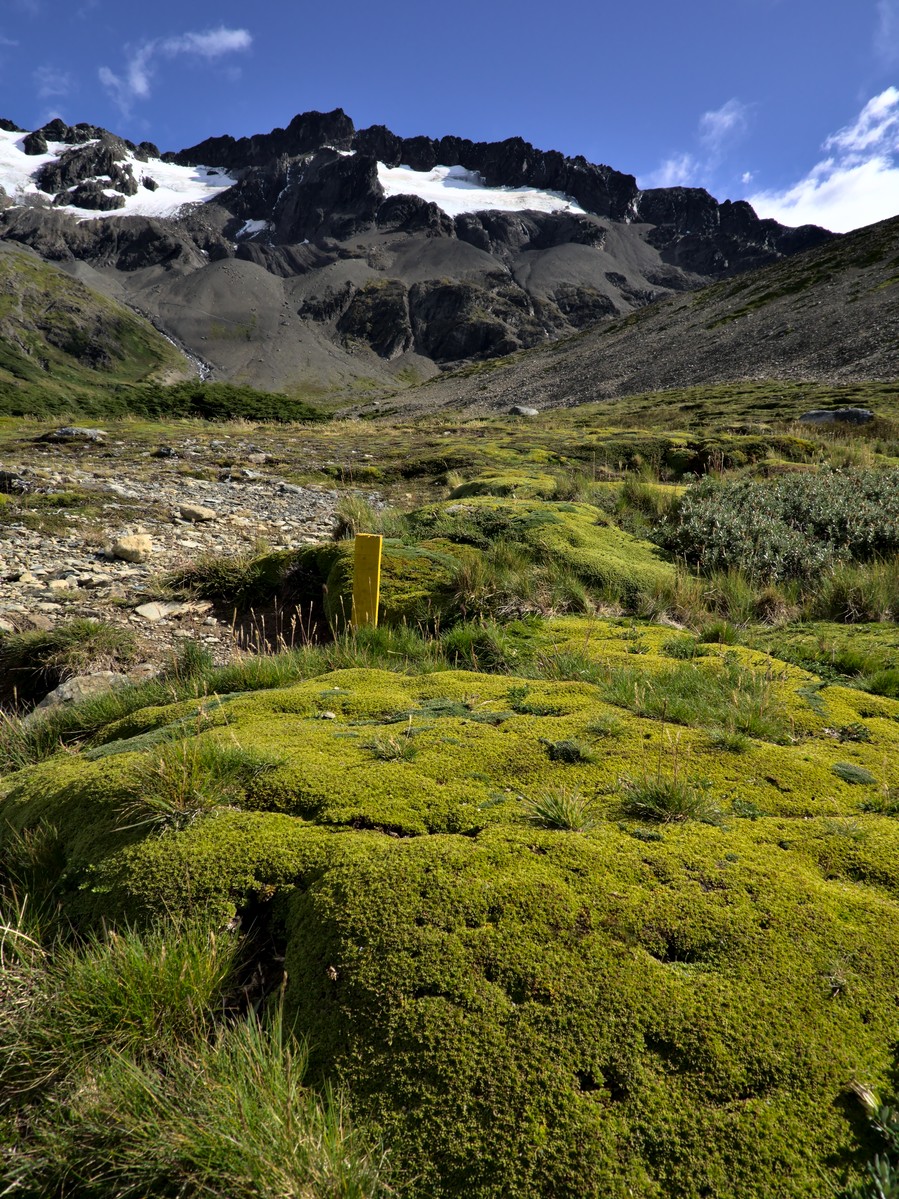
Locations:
(833, 416)
(83, 686)
(196, 513)
(523, 410)
(75, 433)
(137, 547)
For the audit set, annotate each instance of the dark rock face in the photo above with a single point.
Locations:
(73, 135)
(127, 244)
(91, 195)
(379, 316)
(332, 196)
(452, 321)
(412, 214)
(10, 126)
(693, 231)
(35, 144)
(582, 306)
(82, 166)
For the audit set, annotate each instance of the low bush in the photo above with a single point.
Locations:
(797, 526)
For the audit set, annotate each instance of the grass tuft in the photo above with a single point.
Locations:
(561, 808)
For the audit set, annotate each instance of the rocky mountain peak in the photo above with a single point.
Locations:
(360, 252)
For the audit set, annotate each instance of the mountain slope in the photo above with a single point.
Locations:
(829, 315)
(328, 255)
(56, 333)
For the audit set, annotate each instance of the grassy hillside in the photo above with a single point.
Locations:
(58, 338)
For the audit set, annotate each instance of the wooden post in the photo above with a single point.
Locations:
(366, 578)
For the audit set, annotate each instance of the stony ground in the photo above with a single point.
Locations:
(173, 502)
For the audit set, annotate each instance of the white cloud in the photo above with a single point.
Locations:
(716, 132)
(722, 125)
(747, 176)
(50, 81)
(856, 184)
(680, 170)
(133, 81)
(209, 45)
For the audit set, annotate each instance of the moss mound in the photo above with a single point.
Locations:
(576, 536)
(668, 1006)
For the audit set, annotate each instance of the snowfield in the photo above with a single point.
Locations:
(177, 185)
(456, 190)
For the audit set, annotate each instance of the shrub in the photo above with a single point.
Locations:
(794, 527)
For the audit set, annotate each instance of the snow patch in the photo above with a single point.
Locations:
(457, 190)
(176, 185)
(250, 227)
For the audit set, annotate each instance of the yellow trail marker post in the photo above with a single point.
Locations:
(366, 578)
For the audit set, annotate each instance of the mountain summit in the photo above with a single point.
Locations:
(322, 252)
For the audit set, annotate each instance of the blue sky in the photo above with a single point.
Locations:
(793, 104)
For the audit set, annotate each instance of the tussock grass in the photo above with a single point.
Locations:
(147, 1090)
(667, 800)
(562, 808)
(122, 992)
(228, 1119)
(34, 662)
(181, 779)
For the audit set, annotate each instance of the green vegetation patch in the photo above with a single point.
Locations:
(563, 923)
(575, 535)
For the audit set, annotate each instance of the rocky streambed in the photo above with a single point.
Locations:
(89, 527)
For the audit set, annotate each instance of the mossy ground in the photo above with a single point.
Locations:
(671, 1002)
(668, 1009)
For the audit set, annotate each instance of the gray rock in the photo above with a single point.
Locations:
(81, 687)
(832, 416)
(523, 410)
(75, 433)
